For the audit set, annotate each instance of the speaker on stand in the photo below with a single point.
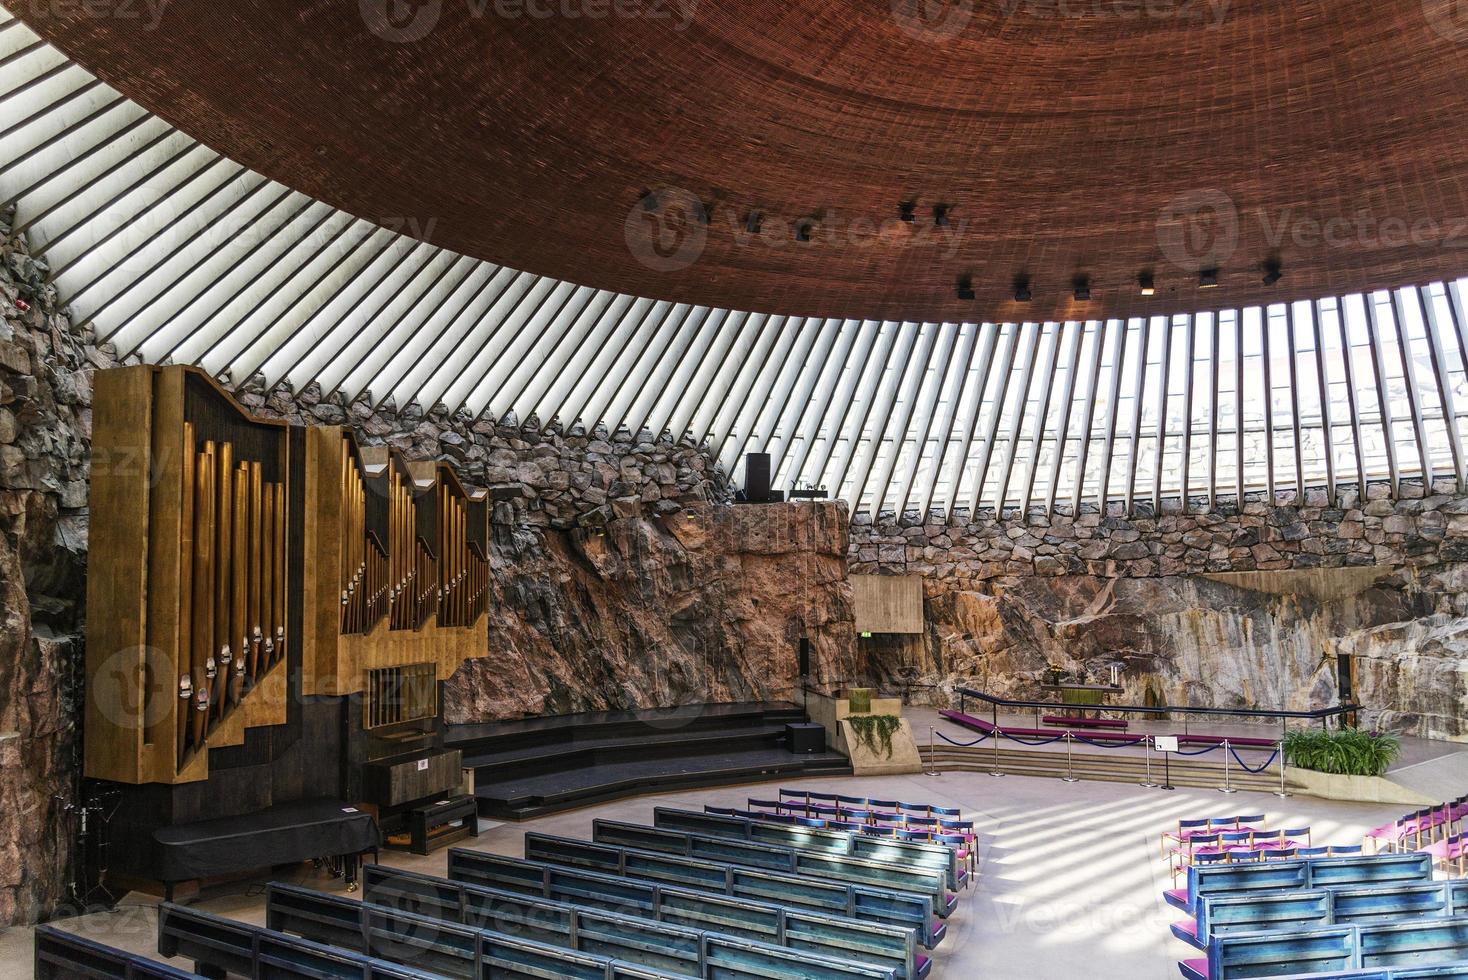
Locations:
(803, 659)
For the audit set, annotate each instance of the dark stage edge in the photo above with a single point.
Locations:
(535, 766)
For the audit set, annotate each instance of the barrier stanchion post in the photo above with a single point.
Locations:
(1070, 772)
(1147, 749)
(1227, 787)
(932, 769)
(996, 771)
(1283, 793)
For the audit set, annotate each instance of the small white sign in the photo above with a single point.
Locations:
(423, 764)
(349, 809)
(1165, 743)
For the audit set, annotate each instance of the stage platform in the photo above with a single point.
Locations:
(535, 766)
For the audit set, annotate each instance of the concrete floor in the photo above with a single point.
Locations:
(1070, 881)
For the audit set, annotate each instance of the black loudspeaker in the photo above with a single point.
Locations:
(804, 656)
(805, 739)
(757, 477)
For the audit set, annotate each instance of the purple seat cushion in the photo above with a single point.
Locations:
(1194, 969)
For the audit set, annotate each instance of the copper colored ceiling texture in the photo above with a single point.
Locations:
(1089, 138)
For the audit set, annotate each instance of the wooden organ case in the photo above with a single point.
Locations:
(272, 611)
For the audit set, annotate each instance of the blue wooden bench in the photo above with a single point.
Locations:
(454, 949)
(218, 946)
(1300, 875)
(770, 857)
(1386, 946)
(61, 955)
(893, 946)
(917, 854)
(852, 901)
(1279, 911)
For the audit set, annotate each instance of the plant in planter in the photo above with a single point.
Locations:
(1344, 752)
(875, 732)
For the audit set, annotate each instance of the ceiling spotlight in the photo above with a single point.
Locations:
(752, 222)
(1147, 284)
(966, 288)
(940, 215)
(803, 229)
(1022, 292)
(1207, 278)
(649, 200)
(1272, 272)
(1082, 286)
(907, 210)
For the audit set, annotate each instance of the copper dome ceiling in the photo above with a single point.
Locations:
(1095, 138)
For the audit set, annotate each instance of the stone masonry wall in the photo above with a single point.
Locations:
(1237, 606)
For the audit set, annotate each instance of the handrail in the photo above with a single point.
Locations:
(1318, 714)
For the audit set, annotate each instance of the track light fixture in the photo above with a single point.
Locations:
(1082, 288)
(650, 200)
(753, 221)
(940, 215)
(1207, 278)
(1272, 272)
(907, 210)
(965, 287)
(803, 229)
(1147, 284)
(1022, 293)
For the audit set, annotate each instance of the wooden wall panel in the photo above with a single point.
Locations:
(888, 603)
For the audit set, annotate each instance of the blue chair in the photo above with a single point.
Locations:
(1299, 836)
(1185, 830)
(829, 799)
(772, 805)
(919, 809)
(1336, 850)
(723, 811)
(887, 832)
(1253, 821)
(945, 811)
(808, 822)
(1312, 852)
(1279, 853)
(922, 835)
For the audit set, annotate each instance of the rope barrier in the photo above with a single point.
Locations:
(965, 745)
(1138, 741)
(1050, 741)
(1244, 766)
(1211, 748)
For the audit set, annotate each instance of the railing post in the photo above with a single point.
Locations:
(1147, 748)
(932, 769)
(1226, 787)
(996, 771)
(1070, 772)
(1283, 793)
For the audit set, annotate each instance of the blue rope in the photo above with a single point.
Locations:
(964, 745)
(1244, 766)
(1048, 741)
(1211, 748)
(1107, 745)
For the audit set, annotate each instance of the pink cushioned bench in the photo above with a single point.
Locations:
(1063, 722)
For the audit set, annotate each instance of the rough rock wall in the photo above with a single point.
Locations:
(45, 440)
(1242, 607)
(706, 604)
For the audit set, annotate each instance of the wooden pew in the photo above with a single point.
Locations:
(1300, 875)
(918, 881)
(1389, 947)
(919, 854)
(759, 921)
(852, 901)
(218, 946)
(590, 940)
(1282, 911)
(61, 955)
